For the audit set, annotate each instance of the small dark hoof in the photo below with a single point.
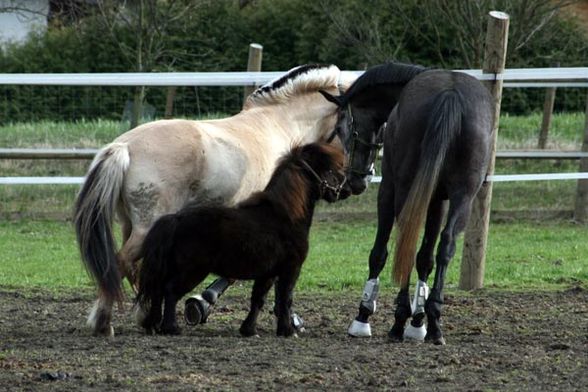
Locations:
(171, 330)
(149, 329)
(248, 332)
(396, 336)
(395, 339)
(286, 332)
(436, 340)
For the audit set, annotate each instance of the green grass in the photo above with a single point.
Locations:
(43, 254)
(522, 132)
(60, 134)
(521, 255)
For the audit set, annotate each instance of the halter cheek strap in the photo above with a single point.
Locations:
(324, 184)
(355, 140)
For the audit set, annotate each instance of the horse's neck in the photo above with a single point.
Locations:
(291, 198)
(380, 100)
(301, 120)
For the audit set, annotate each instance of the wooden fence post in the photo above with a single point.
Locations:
(253, 65)
(547, 114)
(169, 101)
(581, 207)
(476, 235)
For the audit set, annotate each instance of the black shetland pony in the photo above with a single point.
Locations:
(436, 148)
(264, 238)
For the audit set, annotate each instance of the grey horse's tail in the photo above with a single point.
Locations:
(95, 208)
(443, 127)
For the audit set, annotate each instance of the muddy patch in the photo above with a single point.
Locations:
(495, 341)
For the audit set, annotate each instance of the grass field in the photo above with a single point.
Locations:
(526, 254)
(520, 256)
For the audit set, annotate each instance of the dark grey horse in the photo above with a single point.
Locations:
(436, 148)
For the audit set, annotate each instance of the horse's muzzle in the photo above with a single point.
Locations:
(357, 185)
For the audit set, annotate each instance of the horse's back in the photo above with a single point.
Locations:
(173, 162)
(427, 85)
(467, 157)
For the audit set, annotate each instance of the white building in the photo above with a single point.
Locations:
(19, 17)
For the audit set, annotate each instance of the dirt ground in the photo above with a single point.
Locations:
(495, 341)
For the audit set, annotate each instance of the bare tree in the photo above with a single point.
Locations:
(151, 21)
(439, 22)
(366, 29)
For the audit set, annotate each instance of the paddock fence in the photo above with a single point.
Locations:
(512, 78)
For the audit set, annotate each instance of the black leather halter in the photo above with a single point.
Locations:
(324, 184)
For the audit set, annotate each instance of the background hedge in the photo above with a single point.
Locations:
(352, 34)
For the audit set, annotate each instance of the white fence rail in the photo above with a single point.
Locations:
(515, 78)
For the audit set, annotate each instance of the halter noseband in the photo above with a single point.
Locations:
(355, 140)
(324, 184)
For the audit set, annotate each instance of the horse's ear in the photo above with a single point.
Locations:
(331, 98)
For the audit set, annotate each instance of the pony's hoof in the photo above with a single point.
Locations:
(415, 333)
(171, 330)
(436, 340)
(287, 336)
(358, 329)
(396, 336)
(149, 331)
(248, 332)
(286, 331)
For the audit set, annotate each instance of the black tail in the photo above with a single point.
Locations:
(157, 255)
(442, 129)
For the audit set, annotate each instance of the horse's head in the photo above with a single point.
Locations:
(360, 130)
(324, 164)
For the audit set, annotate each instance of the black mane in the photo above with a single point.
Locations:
(389, 73)
(276, 84)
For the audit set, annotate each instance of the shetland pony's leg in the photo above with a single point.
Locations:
(284, 288)
(360, 327)
(459, 211)
(174, 290)
(258, 294)
(169, 325)
(424, 266)
(151, 320)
